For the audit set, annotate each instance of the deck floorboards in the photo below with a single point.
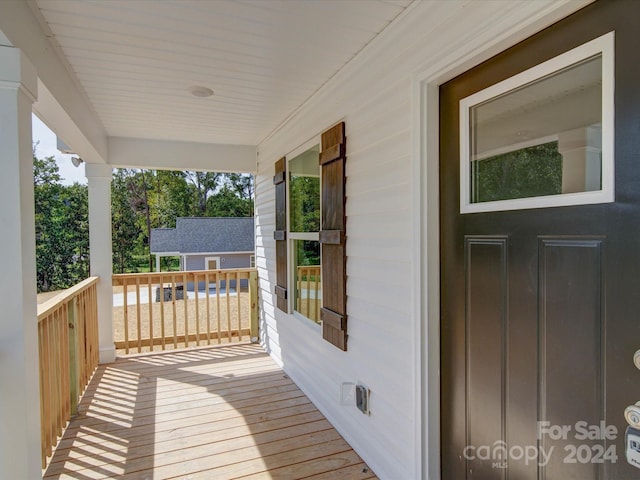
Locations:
(224, 412)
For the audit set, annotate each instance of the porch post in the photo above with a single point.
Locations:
(581, 164)
(99, 180)
(19, 372)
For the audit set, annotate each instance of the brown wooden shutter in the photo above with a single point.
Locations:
(333, 237)
(280, 235)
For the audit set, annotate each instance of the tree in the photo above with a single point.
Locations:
(146, 199)
(234, 198)
(241, 184)
(529, 172)
(172, 198)
(62, 232)
(226, 203)
(125, 228)
(205, 183)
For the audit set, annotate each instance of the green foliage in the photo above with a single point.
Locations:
(307, 252)
(125, 230)
(62, 230)
(226, 203)
(528, 172)
(305, 203)
(146, 199)
(140, 200)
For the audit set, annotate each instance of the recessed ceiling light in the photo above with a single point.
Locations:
(199, 91)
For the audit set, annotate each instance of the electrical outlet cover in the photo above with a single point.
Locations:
(362, 398)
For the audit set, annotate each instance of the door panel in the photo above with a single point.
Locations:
(539, 307)
(571, 346)
(486, 284)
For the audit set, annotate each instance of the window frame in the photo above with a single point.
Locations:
(604, 46)
(293, 236)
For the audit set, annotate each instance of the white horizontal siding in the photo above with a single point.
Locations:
(373, 96)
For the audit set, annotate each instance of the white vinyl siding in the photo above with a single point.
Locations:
(373, 96)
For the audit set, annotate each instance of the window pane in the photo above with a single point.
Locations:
(527, 172)
(308, 291)
(304, 192)
(542, 138)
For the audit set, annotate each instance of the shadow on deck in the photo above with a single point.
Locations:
(213, 413)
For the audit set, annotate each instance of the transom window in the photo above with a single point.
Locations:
(542, 138)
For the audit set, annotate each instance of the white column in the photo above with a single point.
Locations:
(581, 164)
(99, 180)
(19, 373)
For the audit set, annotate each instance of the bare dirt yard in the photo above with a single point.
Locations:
(216, 320)
(182, 323)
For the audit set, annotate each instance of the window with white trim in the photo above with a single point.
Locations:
(303, 182)
(542, 138)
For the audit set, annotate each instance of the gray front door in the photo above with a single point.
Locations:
(541, 307)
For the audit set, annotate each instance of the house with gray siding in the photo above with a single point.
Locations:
(206, 243)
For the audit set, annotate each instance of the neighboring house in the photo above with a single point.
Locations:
(474, 318)
(206, 243)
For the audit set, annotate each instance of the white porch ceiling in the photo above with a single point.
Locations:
(135, 60)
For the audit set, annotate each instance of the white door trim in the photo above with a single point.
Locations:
(492, 39)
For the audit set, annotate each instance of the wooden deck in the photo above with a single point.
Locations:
(215, 413)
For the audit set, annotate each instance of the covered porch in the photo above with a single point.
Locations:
(230, 86)
(214, 412)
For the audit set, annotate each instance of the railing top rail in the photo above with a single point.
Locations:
(120, 278)
(53, 303)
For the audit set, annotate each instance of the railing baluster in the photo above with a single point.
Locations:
(46, 395)
(239, 307)
(125, 289)
(185, 296)
(316, 302)
(57, 365)
(150, 305)
(226, 288)
(138, 315)
(218, 318)
(74, 356)
(173, 307)
(253, 306)
(43, 413)
(195, 289)
(206, 281)
(161, 295)
(308, 288)
(66, 364)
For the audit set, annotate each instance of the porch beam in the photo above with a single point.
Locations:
(99, 182)
(19, 374)
(60, 104)
(172, 155)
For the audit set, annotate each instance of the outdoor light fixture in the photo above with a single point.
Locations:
(76, 161)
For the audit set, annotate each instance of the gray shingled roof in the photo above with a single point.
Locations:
(164, 240)
(205, 235)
